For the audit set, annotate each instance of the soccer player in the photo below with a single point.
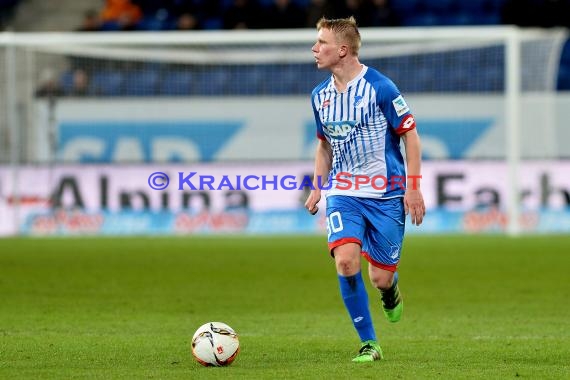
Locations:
(361, 118)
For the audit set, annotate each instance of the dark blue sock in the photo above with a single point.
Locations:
(355, 299)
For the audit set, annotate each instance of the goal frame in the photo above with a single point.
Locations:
(510, 36)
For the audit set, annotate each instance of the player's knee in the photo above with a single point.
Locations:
(382, 281)
(347, 267)
(347, 259)
(347, 264)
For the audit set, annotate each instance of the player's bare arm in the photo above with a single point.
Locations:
(413, 198)
(323, 161)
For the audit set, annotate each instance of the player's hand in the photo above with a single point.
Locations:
(312, 200)
(414, 205)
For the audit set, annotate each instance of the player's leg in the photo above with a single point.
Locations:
(345, 225)
(387, 282)
(383, 239)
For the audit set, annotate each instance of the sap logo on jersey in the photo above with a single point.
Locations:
(339, 130)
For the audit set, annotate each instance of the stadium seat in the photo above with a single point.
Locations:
(456, 18)
(157, 21)
(404, 7)
(110, 26)
(108, 83)
(495, 5)
(213, 23)
(421, 19)
(280, 80)
(213, 81)
(141, 83)
(251, 76)
(177, 83)
(66, 81)
(439, 5)
(471, 5)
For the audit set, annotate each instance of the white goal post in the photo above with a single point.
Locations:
(502, 67)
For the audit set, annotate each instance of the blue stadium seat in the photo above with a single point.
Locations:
(213, 81)
(439, 5)
(420, 19)
(456, 18)
(471, 5)
(495, 5)
(213, 23)
(177, 83)
(108, 82)
(66, 81)
(141, 83)
(404, 6)
(110, 26)
(490, 18)
(155, 22)
(493, 78)
(249, 83)
(283, 80)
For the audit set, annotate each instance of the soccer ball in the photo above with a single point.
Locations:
(215, 344)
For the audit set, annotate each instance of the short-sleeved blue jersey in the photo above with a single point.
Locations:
(363, 125)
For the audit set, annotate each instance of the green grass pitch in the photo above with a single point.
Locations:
(125, 308)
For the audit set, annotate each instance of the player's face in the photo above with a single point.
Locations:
(326, 49)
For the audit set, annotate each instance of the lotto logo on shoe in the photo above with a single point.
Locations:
(339, 130)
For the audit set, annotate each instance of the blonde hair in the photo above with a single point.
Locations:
(345, 30)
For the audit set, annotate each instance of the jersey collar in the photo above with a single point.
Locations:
(352, 81)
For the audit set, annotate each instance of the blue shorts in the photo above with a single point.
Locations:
(377, 225)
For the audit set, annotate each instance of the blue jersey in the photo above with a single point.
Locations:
(363, 125)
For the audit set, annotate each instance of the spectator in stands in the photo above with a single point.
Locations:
(49, 85)
(80, 84)
(91, 22)
(187, 21)
(242, 14)
(284, 14)
(318, 9)
(123, 13)
(188, 14)
(382, 14)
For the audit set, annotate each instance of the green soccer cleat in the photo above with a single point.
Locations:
(369, 352)
(392, 304)
(395, 314)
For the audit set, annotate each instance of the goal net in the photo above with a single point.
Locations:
(484, 99)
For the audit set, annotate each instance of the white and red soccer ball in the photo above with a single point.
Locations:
(215, 344)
